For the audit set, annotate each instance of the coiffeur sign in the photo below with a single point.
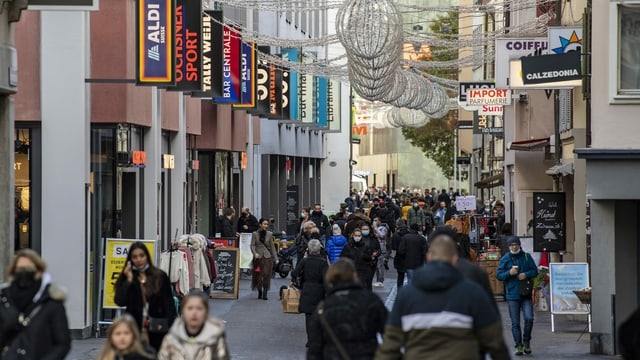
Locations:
(155, 55)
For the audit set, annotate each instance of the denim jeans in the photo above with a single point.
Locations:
(410, 275)
(526, 306)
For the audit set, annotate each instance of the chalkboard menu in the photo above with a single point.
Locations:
(293, 209)
(549, 221)
(225, 285)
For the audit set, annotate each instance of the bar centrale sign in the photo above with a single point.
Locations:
(479, 97)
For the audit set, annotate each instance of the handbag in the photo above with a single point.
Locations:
(20, 348)
(158, 325)
(526, 287)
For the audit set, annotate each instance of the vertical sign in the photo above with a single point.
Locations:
(306, 94)
(188, 46)
(549, 229)
(322, 85)
(155, 48)
(248, 70)
(286, 109)
(206, 54)
(275, 91)
(231, 58)
(291, 54)
(216, 50)
(262, 83)
(333, 104)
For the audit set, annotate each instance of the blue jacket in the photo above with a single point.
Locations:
(334, 247)
(525, 264)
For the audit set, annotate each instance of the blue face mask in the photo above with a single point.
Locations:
(365, 232)
(144, 268)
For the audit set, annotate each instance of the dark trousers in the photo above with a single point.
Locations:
(307, 322)
(400, 279)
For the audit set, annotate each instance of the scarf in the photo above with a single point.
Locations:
(23, 297)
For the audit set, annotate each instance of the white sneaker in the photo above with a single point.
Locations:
(378, 284)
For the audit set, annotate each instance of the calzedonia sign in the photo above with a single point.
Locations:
(551, 68)
(155, 48)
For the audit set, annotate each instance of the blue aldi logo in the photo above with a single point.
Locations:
(155, 55)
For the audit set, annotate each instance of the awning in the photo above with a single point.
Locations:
(528, 145)
(491, 181)
(560, 170)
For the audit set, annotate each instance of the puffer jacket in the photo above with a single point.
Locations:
(525, 264)
(334, 247)
(209, 344)
(356, 316)
(442, 315)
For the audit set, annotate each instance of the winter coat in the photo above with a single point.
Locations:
(47, 335)
(226, 227)
(161, 304)
(387, 216)
(210, 344)
(371, 241)
(351, 204)
(134, 356)
(413, 248)
(301, 243)
(356, 316)
(415, 216)
(334, 247)
(525, 264)
(311, 271)
(398, 260)
(321, 220)
(251, 222)
(478, 275)
(266, 249)
(442, 315)
(360, 253)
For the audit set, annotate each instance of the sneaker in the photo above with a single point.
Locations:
(519, 349)
(527, 348)
(378, 285)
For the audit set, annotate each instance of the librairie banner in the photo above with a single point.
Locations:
(248, 69)
(188, 46)
(155, 46)
(231, 58)
(551, 68)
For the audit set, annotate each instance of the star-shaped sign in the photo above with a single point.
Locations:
(573, 39)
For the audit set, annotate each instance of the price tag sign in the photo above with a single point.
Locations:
(466, 203)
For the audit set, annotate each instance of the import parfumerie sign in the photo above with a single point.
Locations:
(479, 97)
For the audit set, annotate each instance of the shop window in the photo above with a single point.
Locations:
(22, 170)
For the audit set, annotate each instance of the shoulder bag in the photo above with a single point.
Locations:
(19, 348)
(334, 339)
(526, 284)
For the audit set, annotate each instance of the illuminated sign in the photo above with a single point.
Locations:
(188, 46)
(155, 55)
(231, 58)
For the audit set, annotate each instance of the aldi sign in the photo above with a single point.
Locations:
(155, 55)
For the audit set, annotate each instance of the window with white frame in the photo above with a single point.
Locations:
(624, 57)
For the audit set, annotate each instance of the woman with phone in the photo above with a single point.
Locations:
(145, 291)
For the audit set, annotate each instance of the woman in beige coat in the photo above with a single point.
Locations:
(264, 258)
(195, 335)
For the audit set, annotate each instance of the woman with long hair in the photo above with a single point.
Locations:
(124, 341)
(264, 259)
(145, 291)
(195, 335)
(33, 320)
(350, 314)
(362, 256)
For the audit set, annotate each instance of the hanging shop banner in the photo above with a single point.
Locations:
(115, 259)
(217, 30)
(495, 110)
(275, 91)
(248, 69)
(286, 96)
(188, 46)
(551, 68)
(231, 66)
(322, 104)
(483, 124)
(549, 221)
(206, 55)
(515, 48)
(262, 83)
(307, 88)
(291, 54)
(155, 55)
(333, 104)
(563, 39)
(479, 97)
(464, 86)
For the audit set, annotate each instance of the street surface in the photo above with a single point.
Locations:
(258, 329)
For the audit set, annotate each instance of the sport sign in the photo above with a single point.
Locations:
(479, 97)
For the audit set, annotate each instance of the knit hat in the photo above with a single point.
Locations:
(513, 240)
(336, 229)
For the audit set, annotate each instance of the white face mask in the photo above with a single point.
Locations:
(357, 238)
(303, 215)
(514, 252)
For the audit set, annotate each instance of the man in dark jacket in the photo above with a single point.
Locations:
(444, 197)
(387, 216)
(320, 219)
(226, 223)
(247, 223)
(355, 221)
(413, 247)
(442, 315)
(398, 260)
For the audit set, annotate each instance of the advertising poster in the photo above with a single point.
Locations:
(188, 46)
(549, 221)
(275, 91)
(246, 256)
(286, 109)
(291, 54)
(231, 58)
(564, 278)
(333, 104)
(155, 46)
(215, 19)
(206, 55)
(321, 109)
(248, 70)
(115, 258)
(306, 92)
(262, 83)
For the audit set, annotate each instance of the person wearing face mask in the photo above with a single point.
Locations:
(145, 291)
(321, 220)
(358, 251)
(33, 320)
(516, 266)
(371, 241)
(352, 202)
(195, 335)
(265, 258)
(304, 217)
(415, 215)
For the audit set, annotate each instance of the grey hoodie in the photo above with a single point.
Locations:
(209, 344)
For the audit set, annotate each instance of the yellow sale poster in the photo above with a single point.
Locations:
(115, 258)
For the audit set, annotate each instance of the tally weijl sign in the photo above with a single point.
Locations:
(155, 55)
